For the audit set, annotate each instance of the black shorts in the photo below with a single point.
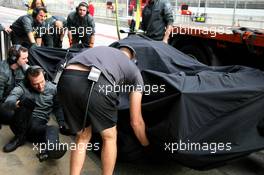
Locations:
(73, 91)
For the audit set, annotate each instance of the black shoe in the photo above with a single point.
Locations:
(57, 154)
(46, 155)
(13, 145)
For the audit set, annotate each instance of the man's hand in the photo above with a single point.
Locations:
(17, 104)
(27, 102)
(70, 42)
(167, 33)
(34, 45)
(91, 45)
(165, 41)
(91, 42)
(8, 30)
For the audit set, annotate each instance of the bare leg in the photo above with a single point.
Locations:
(109, 150)
(78, 155)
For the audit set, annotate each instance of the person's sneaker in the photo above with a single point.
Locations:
(13, 145)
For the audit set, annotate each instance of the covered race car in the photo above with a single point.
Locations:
(197, 115)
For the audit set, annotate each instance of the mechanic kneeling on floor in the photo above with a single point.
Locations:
(32, 103)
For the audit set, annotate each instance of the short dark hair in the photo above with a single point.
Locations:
(37, 10)
(14, 53)
(82, 4)
(34, 71)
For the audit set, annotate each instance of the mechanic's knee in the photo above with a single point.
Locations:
(6, 116)
(109, 134)
(51, 129)
(84, 136)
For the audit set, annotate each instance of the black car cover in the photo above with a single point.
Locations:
(50, 59)
(197, 115)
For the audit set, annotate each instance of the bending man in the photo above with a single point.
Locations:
(116, 69)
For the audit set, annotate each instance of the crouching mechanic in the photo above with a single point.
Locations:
(56, 28)
(116, 68)
(81, 27)
(27, 29)
(32, 102)
(11, 73)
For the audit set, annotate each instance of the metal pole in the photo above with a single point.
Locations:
(198, 8)
(117, 19)
(205, 6)
(234, 14)
(138, 2)
(176, 6)
(2, 44)
(127, 4)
